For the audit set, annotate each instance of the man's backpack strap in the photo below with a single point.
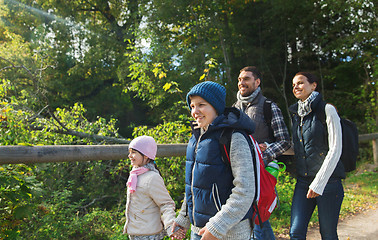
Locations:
(267, 109)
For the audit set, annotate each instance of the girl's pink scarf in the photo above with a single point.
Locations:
(133, 178)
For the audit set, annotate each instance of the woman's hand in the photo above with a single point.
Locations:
(311, 194)
(178, 232)
(206, 235)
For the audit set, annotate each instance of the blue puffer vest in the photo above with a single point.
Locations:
(208, 180)
(310, 141)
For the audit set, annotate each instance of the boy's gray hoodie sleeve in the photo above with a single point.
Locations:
(242, 194)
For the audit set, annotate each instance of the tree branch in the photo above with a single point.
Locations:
(83, 135)
(95, 200)
(61, 127)
(16, 66)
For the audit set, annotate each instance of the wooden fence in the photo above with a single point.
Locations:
(73, 153)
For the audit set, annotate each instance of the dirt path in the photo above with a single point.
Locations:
(362, 226)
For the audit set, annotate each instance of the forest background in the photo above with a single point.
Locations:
(102, 72)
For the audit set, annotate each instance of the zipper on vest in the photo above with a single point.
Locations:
(304, 152)
(191, 189)
(191, 186)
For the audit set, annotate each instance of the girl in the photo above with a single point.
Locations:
(317, 157)
(150, 211)
(218, 197)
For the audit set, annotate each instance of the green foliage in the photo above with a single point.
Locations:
(361, 186)
(18, 188)
(66, 58)
(53, 200)
(360, 193)
(55, 218)
(153, 83)
(280, 37)
(140, 58)
(285, 187)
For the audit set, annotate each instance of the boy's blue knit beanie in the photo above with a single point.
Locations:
(212, 92)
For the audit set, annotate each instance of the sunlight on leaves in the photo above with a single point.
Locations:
(167, 86)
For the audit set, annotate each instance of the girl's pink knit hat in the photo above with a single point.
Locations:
(145, 145)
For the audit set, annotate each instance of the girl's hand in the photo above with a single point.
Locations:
(311, 194)
(178, 232)
(206, 235)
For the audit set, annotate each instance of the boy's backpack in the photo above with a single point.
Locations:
(349, 130)
(265, 200)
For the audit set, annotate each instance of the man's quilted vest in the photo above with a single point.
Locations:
(255, 110)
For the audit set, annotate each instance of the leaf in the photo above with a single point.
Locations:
(162, 74)
(22, 212)
(167, 86)
(25, 144)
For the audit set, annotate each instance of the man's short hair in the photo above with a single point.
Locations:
(255, 72)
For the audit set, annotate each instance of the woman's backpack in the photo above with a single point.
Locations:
(350, 139)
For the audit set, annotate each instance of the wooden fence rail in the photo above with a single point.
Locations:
(73, 153)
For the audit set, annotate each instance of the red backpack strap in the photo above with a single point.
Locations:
(225, 143)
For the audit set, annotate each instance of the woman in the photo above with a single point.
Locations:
(317, 157)
(218, 196)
